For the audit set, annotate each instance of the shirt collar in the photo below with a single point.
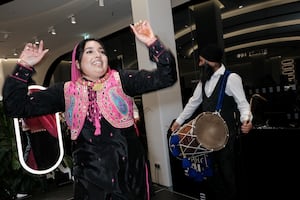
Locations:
(220, 71)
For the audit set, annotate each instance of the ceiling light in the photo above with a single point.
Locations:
(52, 30)
(86, 36)
(36, 40)
(72, 19)
(15, 52)
(101, 2)
(5, 36)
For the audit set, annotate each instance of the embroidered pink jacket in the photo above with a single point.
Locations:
(114, 105)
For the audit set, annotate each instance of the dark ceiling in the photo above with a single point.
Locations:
(257, 24)
(257, 38)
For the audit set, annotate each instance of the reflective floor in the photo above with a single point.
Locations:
(64, 192)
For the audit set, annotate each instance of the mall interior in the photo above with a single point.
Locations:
(261, 42)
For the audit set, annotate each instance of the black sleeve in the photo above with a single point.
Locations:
(137, 82)
(18, 104)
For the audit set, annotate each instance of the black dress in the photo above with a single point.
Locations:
(107, 166)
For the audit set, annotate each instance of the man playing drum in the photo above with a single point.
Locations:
(233, 105)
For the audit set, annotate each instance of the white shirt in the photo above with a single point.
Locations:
(234, 88)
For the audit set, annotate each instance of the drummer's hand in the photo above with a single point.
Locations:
(175, 126)
(246, 127)
(143, 32)
(32, 54)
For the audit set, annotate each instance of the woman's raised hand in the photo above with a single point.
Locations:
(143, 32)
(32, 54)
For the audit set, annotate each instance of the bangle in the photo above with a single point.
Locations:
(23, 63)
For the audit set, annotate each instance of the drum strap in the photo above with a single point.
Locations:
(222, 90)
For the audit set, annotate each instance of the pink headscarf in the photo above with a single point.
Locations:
(75, 72)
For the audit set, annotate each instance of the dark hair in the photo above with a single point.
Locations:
(81, 45)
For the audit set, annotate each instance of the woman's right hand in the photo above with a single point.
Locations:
(32, 54)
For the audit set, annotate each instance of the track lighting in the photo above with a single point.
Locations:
(52, 30)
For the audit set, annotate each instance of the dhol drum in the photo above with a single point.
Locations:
(206, 133)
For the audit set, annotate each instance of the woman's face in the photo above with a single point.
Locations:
(94, 62)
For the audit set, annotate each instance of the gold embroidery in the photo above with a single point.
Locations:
(97, 86)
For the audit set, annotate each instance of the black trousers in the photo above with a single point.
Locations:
(223, 184)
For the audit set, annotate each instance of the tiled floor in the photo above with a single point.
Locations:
(64, 192)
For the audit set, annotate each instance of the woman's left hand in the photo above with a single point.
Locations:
(143, 32)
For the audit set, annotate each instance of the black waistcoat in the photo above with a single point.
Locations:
(229, 111)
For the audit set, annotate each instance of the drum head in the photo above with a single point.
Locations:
(211, 130)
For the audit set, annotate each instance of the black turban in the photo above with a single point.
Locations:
(212, 53)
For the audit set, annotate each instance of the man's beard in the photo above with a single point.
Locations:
(206, 73)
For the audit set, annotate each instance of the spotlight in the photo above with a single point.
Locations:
(6, 35)
(51, 30)
(86, 36)
(36, 40)
(101, 2)
(15, 52)
(72, 19)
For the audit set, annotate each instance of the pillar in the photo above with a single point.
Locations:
(160, 107)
